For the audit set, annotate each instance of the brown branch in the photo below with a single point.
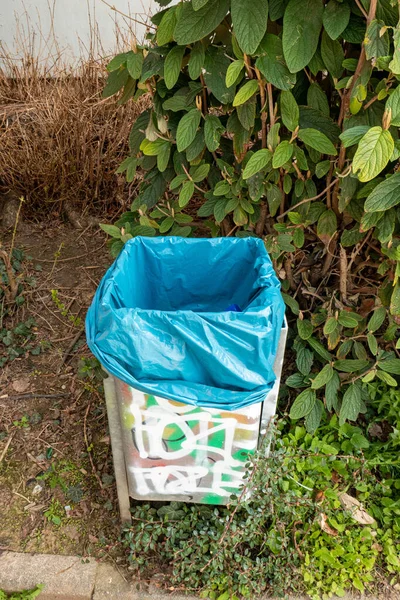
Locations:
(270, 105)
(261, 221)
(309, 199)
(10, 291)
(343, 273)
(261, 85)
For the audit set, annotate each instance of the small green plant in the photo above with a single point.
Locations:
(23, 423)
(55, 513)
(24, 595)
(64, 310)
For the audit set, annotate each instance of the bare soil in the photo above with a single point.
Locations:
(57, 491)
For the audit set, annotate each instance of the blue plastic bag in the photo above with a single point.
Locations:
(159, 322)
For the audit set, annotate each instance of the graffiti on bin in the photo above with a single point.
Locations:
(176, 450)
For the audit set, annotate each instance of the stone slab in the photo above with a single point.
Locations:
(64, 577)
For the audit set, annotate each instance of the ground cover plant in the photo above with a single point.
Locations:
(280, 119)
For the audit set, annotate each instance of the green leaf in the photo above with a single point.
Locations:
(291, 303)
(249, 20)
(186, 193)
(166, 28)
(316, 98)
(319, 349)
(196, 147)
(332, 55)
(222, 188)
(118, 61)
(305, 328)
(385, 195)
(282, 154)
(330, 325)
(115, 81)
(373, 153)
(274, 197)
(372, 343)
(134, 64)
(303, 404)
(196, 60)
(272, 65)
(390, 365)
(359, 441)
(323, 377)
(352, 136)
(336, 18)
(317, 140)
(327, 226)
(351, 365)
(112, 230)
(233, 72)
(295, 381)
(377, 319)
(351, 237)
(213, 130)
(393, 103)
(313, 419)
(376, 43)
(220, 210)
(322, 168)
(302, 24)
(187, 129)
(216, 65)
(199, 173)
(247, 113)
(172, 67)
(193, 25)
(387, 378)
(304, 360)
(245, 92)
(197, 4)
(166, 224)
(258, 161)
(351, 404)
(394, 65)
(395, 301)
(331, 392)
(347, 319)
(309, 117)
(163, 157)
(289, 111)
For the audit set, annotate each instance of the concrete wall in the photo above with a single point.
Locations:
(48, 27)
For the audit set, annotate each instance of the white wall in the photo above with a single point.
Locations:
(48, 27)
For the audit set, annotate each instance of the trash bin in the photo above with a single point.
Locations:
(192, 334)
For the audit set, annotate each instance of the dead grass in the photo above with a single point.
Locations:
(61, 143)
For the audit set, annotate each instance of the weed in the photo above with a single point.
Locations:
(55, 513)
(23, 423)
(24, 595)
(64, 310)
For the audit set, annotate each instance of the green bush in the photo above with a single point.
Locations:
(279, 119)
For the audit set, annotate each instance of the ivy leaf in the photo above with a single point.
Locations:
(336, 18)
(134, 64)
(373, 153)
(317, 140)
(302, 24)
(166, 28)
(213, 130)
(305, 328)
(282, 154)
(249, 20)
(233, 72)
(351, 404)
(194, 25)
(376, 43)
(258, 161)
(303, 404)
(187, 129)
(172, 67)
(289, 111)
(272, 65)
(352, 136)
(332, 55)
(196, 60)
(393, 103)
(245, 92)
(385, 195)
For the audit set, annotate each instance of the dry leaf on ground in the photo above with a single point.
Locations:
(323, 521)
(355, 507)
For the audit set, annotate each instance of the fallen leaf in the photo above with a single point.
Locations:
(358, 513)
(323, 522)
(20, 385)
(377, 547)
